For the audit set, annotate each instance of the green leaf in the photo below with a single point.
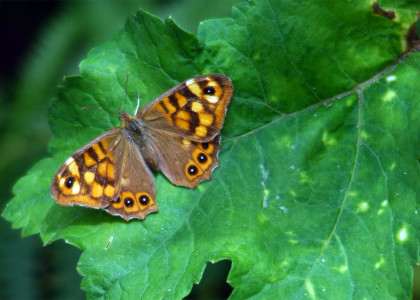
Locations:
(317, 189)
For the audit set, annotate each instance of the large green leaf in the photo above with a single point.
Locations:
(317, 192)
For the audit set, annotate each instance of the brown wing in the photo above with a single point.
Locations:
(195, 109)
(100, 173)
(184, 162)
(137, 194)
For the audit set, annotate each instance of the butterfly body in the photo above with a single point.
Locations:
(177, 134)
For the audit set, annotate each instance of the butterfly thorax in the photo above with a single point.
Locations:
(135, 130)
(133, 124)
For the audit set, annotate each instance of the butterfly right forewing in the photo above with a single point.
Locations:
(194, 109)
(182, 128)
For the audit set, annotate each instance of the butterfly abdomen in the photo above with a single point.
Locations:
(136, 132)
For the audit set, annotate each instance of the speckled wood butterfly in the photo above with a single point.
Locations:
(177, 133)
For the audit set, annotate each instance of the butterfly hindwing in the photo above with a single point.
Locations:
(137, 192)
(188, 162)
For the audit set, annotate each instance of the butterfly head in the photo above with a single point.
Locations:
(133, 124)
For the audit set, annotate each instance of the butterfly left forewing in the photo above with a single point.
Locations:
(194, 109)
(108, 173)
(88, 177)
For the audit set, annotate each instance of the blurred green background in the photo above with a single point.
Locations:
(42, 42)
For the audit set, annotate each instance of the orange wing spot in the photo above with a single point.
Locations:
(197, 106)
(109, 191)
(89, 177)
(126, 194)
(171, 109)
(61, 182)
(211, 98)
(111, 157)
(124, 180)
(73, 169)
(182, 124)
(89, 161)
(184, 115)
(160, 108)
(181, 99)
(212, 82)
(201, 130)
(129, 201)
(97, 190)
(209, 149)
(217, 90)
(206, 119)
(144, 200)
(195, 89)
(202, 159)
(186, 142)
(102, 168)
(86, 200)
(110, 171)
(101, 155)
(118, 204)
(192, 170)
(105, 145)
(73, 190)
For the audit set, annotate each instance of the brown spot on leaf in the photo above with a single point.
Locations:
(386, 13)
(413, 39)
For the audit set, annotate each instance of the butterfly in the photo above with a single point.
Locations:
(178, 134)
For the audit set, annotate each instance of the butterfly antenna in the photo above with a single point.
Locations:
(126, 88)
(95, 108)
(138, 104)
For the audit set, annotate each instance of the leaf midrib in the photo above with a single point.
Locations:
(327, 102)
